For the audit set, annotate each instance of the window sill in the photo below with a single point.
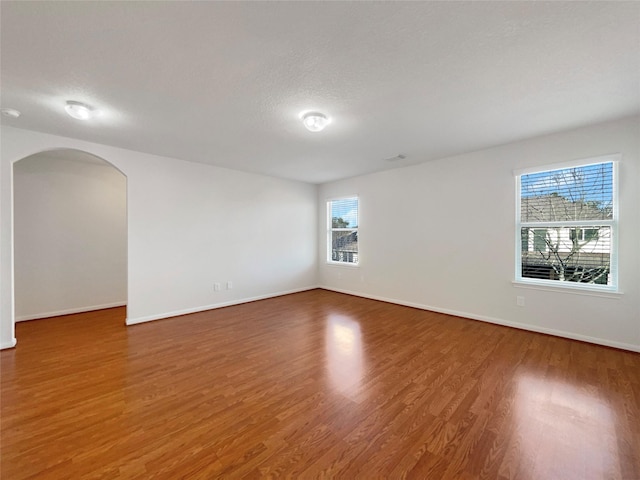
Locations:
(343, 264)
(590, 292)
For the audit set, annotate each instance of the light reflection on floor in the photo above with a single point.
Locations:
(560, 426)
(343, 346)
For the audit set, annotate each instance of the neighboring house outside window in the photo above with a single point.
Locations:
(567, 224)
(342, 228)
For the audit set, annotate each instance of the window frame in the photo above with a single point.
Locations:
(613, 224)
(330, 230)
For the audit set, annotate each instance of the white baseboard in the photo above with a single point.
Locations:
(24, 318)
(161, 316)
(497, 321)
(10, 344)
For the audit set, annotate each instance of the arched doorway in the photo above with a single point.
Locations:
(69, 235)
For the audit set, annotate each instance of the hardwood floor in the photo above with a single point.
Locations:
(314, 385)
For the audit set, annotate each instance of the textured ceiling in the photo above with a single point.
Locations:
(224, 82)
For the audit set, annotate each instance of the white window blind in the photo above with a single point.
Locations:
(566, 225)
(342, 229)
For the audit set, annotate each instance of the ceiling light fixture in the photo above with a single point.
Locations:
(79, 110)
(10, 112)
(315, 121)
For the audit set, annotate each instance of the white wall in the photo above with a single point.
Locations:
(70, 232)
(415, 224)
(189, 225)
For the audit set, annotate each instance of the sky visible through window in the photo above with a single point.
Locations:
(347, 209)
(553, 250)
(590, 183)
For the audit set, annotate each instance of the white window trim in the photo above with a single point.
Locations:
(329, 230)
(613, 224)
(612, 157)
(586, 289)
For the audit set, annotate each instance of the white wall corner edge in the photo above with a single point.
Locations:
(24, 318)
(203, 308)
(10, 344)
(497, 321)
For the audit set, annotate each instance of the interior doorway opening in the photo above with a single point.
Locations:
(69, 234)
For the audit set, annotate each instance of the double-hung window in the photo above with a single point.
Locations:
(342, 231)
(567, 225)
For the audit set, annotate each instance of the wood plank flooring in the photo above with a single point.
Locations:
(313, 385)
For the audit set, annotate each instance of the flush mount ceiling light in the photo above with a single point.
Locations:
(10, 112)
(79, 110)
(315, 121)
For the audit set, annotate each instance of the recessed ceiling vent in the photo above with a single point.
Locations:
(401, 156)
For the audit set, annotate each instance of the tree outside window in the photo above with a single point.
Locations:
(567, 224)
(343, 231)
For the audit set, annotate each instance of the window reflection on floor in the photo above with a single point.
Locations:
(343, 345)
(560, 426)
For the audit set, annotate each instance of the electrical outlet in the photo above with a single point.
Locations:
(520, 301)
(229, 285)
(216, 286)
